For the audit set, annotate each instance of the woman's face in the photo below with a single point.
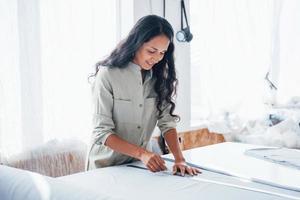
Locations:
(151, 52)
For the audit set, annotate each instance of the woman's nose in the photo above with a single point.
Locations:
(157, 57)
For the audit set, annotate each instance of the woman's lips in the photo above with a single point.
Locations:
(149, 63)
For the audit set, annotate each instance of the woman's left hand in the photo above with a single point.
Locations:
(182, 168)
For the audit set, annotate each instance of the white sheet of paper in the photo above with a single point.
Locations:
(282, 156)
(229, 158)
(228, 181)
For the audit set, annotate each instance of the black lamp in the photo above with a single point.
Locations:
(184, 35)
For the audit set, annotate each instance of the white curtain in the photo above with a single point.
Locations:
(48, 48)
(236, 42)
(288, 51)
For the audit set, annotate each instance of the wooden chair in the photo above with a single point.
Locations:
(192, 139)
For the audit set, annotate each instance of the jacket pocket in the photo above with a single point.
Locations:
(122, 111)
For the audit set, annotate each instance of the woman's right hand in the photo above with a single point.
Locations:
(153, 161)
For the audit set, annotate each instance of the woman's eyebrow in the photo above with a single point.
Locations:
(157, 49)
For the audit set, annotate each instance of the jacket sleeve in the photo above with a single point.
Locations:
(102, 97)
(165, 120)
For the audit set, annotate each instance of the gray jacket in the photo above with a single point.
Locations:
(125, 106)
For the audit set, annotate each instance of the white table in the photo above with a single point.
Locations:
(255, 174)
(123, 182)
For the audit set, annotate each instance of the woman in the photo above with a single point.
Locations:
(133, 91)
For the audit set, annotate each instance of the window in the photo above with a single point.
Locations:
(48, 49)
(235, 44)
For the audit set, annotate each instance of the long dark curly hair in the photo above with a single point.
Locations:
(144, 30)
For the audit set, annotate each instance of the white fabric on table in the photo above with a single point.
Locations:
(133, 183)
(16, 184)
(123, 182)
